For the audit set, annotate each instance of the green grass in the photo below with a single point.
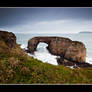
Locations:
(16, 67)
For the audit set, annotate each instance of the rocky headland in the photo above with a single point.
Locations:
(16, 67)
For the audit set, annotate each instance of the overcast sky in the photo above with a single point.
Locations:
(46, 20)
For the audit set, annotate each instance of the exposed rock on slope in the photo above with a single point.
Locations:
(67, 49)
(9, 38)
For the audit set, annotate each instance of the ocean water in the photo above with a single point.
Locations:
(43, 54)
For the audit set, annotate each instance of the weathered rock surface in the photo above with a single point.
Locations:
(69, 51)
(56, 45)
(76, 52)
(9, 38)
(66, 62)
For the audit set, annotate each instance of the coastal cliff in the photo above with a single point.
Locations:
(16, 67)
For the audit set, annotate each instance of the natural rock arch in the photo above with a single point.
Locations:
(32, 43)
(53, 42)
(63, 47)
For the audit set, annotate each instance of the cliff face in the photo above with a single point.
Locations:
(65, 48)
(9, 38)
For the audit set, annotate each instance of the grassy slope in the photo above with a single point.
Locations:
(17, 67)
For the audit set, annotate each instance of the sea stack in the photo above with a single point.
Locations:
(68, 50)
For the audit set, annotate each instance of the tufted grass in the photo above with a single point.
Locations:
(16, 67)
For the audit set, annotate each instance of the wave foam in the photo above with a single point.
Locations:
(89, 60)
(23, 47)
(43, 54)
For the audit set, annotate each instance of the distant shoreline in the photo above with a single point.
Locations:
(85, 32)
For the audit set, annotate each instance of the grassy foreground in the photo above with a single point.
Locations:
(16, 67)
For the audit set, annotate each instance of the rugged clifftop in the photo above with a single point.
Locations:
(64, 47)
(9, 38)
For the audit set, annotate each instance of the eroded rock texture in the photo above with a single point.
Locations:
(67, 49)
(9, 38)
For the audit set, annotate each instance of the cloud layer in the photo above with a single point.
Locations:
(55, 26)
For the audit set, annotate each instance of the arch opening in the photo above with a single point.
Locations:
(43, 54)
(41, 46)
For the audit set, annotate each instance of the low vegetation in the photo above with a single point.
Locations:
(16, 67)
